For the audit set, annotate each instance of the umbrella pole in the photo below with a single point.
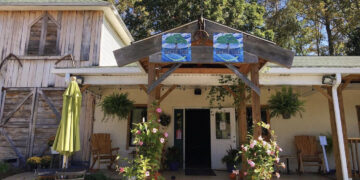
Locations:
(65, 162)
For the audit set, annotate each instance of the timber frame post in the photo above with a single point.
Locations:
(255, 100)
(151, 94)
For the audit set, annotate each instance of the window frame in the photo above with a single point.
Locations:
(129, 125)
(46, 17)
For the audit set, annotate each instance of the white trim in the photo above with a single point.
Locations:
(311, 70)
(100, 71)
(339, 127)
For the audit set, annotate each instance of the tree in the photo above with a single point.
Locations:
(353, 43)
(227, 39)
(144, 18)
(175, 39)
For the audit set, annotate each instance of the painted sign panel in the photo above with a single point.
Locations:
(176, 47)
(228, 47)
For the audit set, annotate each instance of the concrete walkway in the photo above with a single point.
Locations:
(180, 175)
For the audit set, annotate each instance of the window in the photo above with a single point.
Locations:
(264, 117)
(136, 116)
(43, 39)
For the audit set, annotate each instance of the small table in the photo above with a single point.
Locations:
(287, 157)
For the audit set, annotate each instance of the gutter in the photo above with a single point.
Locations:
(339, 126)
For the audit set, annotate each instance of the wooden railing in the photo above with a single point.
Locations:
(354, 156)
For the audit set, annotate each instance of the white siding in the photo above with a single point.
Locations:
(110, 41)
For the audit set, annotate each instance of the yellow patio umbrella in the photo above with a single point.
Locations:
(67, 139)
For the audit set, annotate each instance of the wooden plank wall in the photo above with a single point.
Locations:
(29, 140)
(80, 33)
(86, 124)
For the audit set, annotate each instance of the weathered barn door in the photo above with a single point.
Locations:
(28, 118)
(86, 124)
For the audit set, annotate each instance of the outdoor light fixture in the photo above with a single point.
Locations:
(80, 80)
(328, 79)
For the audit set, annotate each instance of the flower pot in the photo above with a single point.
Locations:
(286, 115)
(232, 176)
(230, 167)
(174, 166)
(53, 151)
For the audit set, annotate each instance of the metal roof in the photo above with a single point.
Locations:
(323, 61)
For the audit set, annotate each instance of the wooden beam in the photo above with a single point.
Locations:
(84, 87)
(242, 125)
(334, 136)
(6, 119)
(344, 129)
(143, 87)
(152, 94)
(167, 93)
(3, 96)
(255, 100)
(162, 78)
(260, 47)
(32, 123)
(51, 105)
(320, 90)
(346, 83)
(12, 144)
(200, 70)
(203, 54)
(252, 85)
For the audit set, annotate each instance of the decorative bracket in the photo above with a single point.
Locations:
(8, 57)
(244, 78)
(163, 77)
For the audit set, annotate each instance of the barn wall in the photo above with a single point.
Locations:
(80, 33)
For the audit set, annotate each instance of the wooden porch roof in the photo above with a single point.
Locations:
(256, 50)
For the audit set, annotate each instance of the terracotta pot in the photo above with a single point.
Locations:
(232, 176)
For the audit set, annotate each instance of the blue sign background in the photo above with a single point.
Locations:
(228, 47)
(176, 47)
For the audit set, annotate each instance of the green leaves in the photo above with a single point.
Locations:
(285, 103)
(118, 105)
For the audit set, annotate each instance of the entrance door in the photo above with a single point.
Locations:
(223, 135)
(197, 139)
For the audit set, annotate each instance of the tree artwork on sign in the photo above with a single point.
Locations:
(176, 47)
(228, 47)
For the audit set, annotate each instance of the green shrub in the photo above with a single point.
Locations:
(4, 167)
(96, 176)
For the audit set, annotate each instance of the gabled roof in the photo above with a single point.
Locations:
(253, 46)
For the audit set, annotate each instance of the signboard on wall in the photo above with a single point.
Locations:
(228, 47)
(176, 47)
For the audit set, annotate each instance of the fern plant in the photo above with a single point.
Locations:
(285, 103)
(117, 105)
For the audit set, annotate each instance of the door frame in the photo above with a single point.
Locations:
(184, 135)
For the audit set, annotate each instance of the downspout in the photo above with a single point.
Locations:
(339, 126)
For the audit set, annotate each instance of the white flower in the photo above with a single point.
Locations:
(147, 173)
(154, 130)
(162, 140)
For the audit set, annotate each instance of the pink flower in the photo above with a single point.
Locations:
(277, 159)
(154, 130)
(251, 163)
(260, 138)
(141, 143)
(264, 143)
(277, 175)
(159, 120)
(158, 110)
(280, 149)
(138, 132)
(245, 173)
(245, 149)
(282, 165)
(272, 153)
(162, 140)
(121, 170)
(166, 134)
(235, 172)
(147, 173)
(252, 144)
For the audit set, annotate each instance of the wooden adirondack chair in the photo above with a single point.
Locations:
(308, 153)
(101, 149)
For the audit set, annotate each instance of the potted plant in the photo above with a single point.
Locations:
(285, 103)
(230, 159)
(45, 161)
(173, 158)
(33, 162)
(117, 105)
